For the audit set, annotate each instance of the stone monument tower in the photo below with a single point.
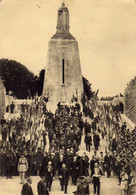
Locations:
(63, 78)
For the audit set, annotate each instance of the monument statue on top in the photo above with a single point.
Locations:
(62, 24)
(63, 20)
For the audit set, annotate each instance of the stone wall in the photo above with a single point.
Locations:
(2, 99)
(130, 101)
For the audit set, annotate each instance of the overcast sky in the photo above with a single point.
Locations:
(105, 31)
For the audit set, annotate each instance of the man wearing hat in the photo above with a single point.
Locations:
(27, 189)
(83, 187)
(41, 187)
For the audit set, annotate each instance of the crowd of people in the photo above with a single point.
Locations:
(48, 145)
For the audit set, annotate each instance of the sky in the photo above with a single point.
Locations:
(105, 31)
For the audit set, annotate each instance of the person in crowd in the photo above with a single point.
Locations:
(2, 162)
(8, 164)
(41, 187)
(7, 109)
(26, 188)
(124, 182)
(96, 178)
(22, 168)
(32, 162)
(38, 161)
(108, 164)
(12, 107)
(84, 165)
(2, 121)
(49, 175)
(64, 178)
(96, 140)
(60, 162)
(88, 141)
(132, 183)
(87, 127)
(101, 161)
(74, 170)
(83, 187)
(94, 160)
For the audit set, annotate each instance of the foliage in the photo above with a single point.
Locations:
(88, 89)
(18, 79)
(41, 81)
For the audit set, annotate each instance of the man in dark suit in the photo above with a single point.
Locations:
(96, 140)
(41, 187)
(12, 106)
(108, 163)
(38, 161)
(64, 177)
(27, 189)
(74, 170)
(49, 175)
(88, 141)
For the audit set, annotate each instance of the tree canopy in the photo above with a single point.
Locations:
(18, 79)
(41, 81)
(87, 89)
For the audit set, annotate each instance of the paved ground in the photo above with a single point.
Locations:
(109, 186)
(12, 187)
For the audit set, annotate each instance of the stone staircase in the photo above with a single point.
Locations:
(109, 186)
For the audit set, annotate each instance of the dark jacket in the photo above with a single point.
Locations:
(26, 189)
(96, 140)
(64, 176)
(108, 161)
(42, 189)
(74, 168)
(83, 189)
(88, 140)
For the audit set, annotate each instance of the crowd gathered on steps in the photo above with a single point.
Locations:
(24, 146)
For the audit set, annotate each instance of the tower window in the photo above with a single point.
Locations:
(63, 71)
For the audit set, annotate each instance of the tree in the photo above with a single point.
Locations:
(18, 79)
(88, 89)
(41, 81)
